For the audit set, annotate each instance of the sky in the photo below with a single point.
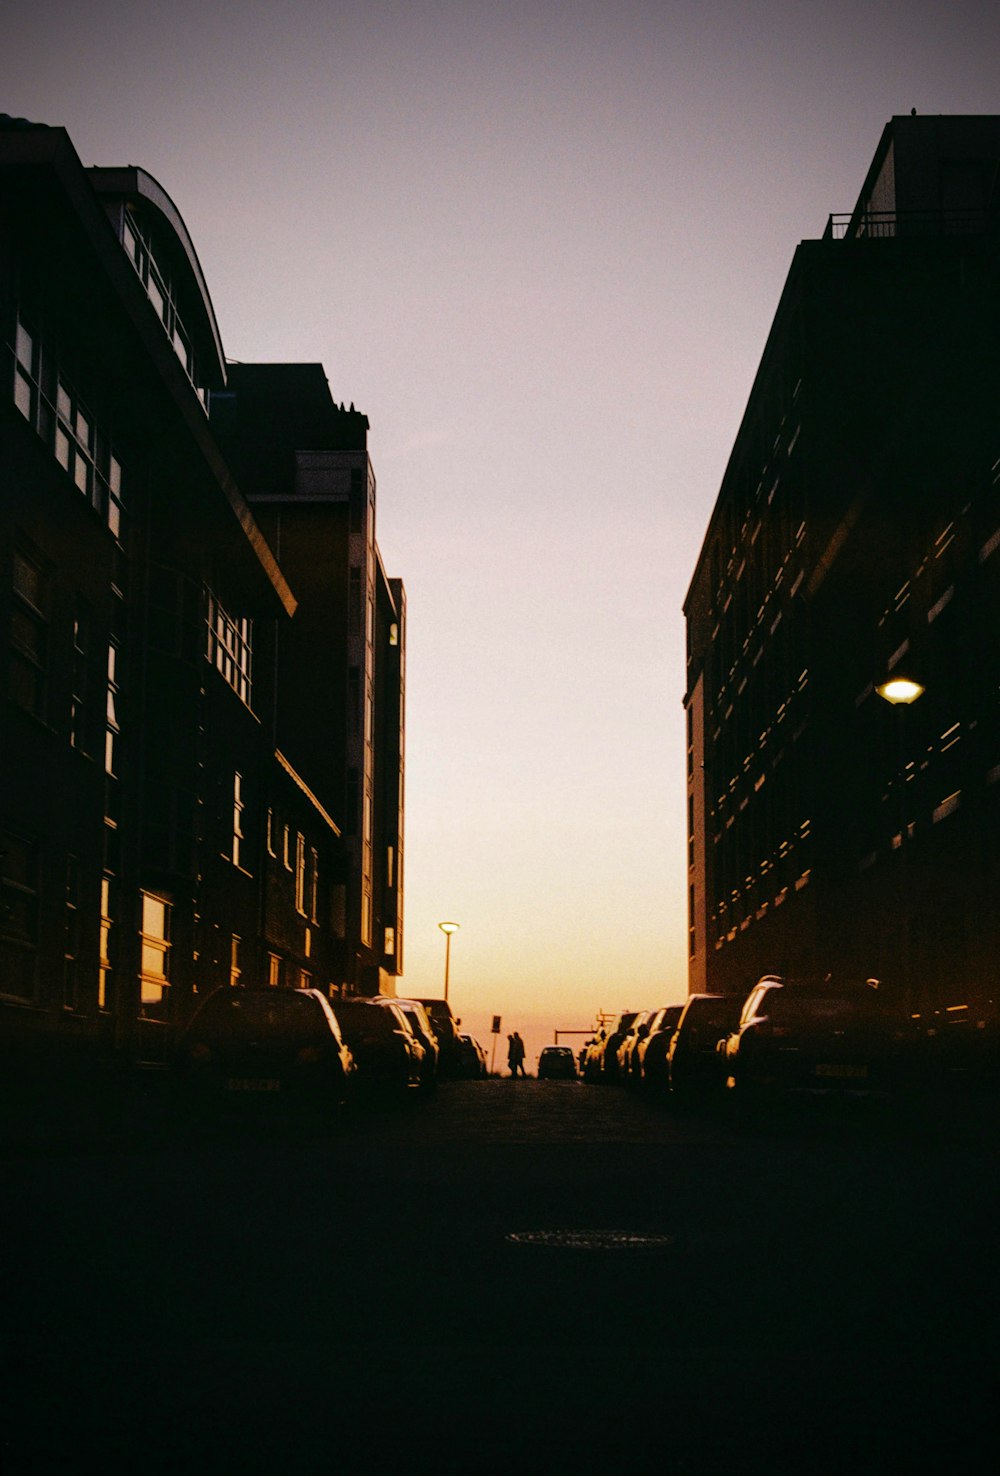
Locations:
(540, 244)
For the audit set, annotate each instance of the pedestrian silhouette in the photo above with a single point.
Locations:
(515, 1054)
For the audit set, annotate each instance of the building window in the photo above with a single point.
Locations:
(104, 990)
(29, 635)
(71, 945)
(300, 874)
(140, 248)
(313, 886)
(389, 947)
(112, 730)
(274, 970)
(155, 971)
(79, 710)
(238, 836)
(235, 969)
(305, 979)
(51, 403)
(229, 647)
(271, 851)
(286, 848)
(19, 867)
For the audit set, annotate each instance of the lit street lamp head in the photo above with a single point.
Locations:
(900, 690)
(447, 929)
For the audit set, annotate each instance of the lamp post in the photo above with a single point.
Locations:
(901, 692)
(447, 929)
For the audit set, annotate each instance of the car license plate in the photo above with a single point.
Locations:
(849, 1072)
(253, 1084)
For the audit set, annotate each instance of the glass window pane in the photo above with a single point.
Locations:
(22, 394)
(25, 347)
(27, 580)
(154, 916)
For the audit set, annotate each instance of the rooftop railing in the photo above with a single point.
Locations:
(880, 224)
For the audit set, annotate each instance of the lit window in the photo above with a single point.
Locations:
(270, 834)
(104, 977)
(300, 874)
(112, 729)
(228, 647)
(234, 961)
(274, 970)
(313, 886)
(238, 836)
(155, 936)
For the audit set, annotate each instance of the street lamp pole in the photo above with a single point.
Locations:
(901, 692)
(447, 929)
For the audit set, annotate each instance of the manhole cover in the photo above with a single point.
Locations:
(592, 1240)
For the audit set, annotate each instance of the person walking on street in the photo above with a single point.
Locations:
(515, 1054)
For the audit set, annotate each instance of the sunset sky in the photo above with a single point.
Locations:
(540, 245)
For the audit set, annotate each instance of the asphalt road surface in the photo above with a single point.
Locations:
(515, 1275)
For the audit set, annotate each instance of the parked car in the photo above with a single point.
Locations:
(694, 1065)
(420, 1024)
(813, 1037)
(265, 1049)
(629, 1044)
(556, 1062)
(649, 1070)
(446, 1029)
(602, 1055)
(471, 1058)
(388, 1055)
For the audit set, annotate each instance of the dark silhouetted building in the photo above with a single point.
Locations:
(186, 800)
(856, 537)
(303, 462)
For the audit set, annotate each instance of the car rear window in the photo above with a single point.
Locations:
(706, 1012)
(282, 1015)
(785, 1008)
(366, 1022)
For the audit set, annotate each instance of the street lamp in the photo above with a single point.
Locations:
(901, 692)
(447, 929)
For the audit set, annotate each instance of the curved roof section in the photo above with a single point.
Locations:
(134, 185)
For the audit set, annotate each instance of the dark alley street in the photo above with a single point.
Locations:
(536, 1273)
